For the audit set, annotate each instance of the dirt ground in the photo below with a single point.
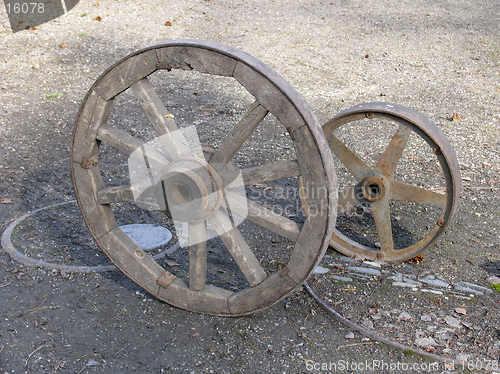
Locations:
(441, 58)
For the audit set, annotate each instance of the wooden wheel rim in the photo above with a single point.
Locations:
(314, 164)
(438, 142)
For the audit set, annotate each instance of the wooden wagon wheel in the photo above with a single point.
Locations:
(376, 187)
(183, 184)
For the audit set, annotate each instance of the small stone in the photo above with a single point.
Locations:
(475, 287)
(367, 324)
(92, 362)
(453, 322)
(493, 279)
(321, 270)
(426, 317)
(338, 278)
(459, 287)
(349, 335)
(432, 291)
(462, 357)
(432, 328)
(36, 65)
(443, 335)
(461, 311)
(372, 264)
(363, 270)
(345, 258)
(425, 342)
(411, 281)
(434, 282)
(398, 277)
(359, 275)
(335, 265)
(403, 284)
(446, 350)
(327, 258)
(496, 345)
(404, 316)
(419, 334)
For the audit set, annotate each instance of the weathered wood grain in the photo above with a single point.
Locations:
(160, 118)
(232, 143)
(262, 216)
(262, 173)
(94, 113)
(132, 147)
(197, 255)
(238, 247)
(267, 293)
(309, 249)
(131, 259)
(268, 95)
(98, 217)
(126, 73)
(211, 300)
(199, 59)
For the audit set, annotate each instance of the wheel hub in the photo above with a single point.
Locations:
(374, 188)
(189, 190)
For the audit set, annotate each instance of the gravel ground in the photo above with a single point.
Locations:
(441, 58)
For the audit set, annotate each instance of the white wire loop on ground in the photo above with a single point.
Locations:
(29, 261)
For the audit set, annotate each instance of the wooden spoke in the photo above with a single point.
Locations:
(235, 140)
(264, 173)
(197, 255)
(389, 160)
(123, 194)
(118, 194)
(219, 213)
(160, 118)
(348, 199)
(406, 192)
(262, 216)
(238, 247)
(127, 144)
(354, 164)
(382, 215)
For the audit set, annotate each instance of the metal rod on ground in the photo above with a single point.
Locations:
(372, 335)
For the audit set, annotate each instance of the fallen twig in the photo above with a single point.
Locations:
(5, 285)
(352, 345)
(95, 308)
(121, 350)
(31, 311)
(481, 188)
(253, 346)
(32, 353)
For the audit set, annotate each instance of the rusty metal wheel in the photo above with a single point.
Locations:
(191, 180)
(396, 197)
